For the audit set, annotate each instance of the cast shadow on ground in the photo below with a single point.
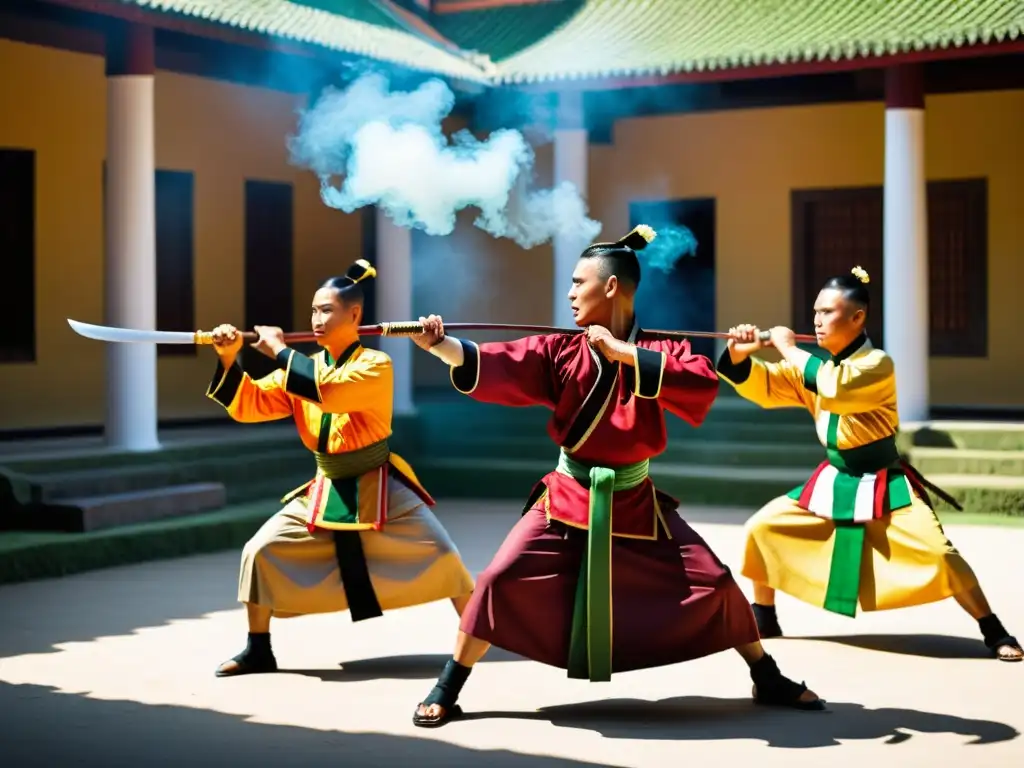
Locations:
(924, 645)
(93, 732)
(39, 615)
(413, 667)
(700, 718)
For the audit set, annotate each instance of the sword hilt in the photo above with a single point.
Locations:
(408, 328)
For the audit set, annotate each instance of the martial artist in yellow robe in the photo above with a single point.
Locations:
(861, 530)
(359, 536)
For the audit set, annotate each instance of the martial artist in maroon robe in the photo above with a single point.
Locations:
(600, 575)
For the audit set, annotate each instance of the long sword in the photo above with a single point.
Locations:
(408, 328)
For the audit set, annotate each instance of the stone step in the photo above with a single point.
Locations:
(26, 555)
(230, 470)
(94, 513)
(956, 461)
(474, 445)
(230, 442)
(699, 483)
(964, 435)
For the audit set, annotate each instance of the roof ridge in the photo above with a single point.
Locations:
(428, 33)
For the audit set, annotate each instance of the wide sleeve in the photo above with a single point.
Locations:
(856, 385)
(249, 400)
(769, 385)
(364, 384)
(684, 383)
(515, 373)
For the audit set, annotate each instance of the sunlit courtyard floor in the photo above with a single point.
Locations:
(116, 668)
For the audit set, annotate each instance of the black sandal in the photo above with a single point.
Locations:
(773, 689)
(454, 712)
(445, 694)
(257, 658)
(996, 637)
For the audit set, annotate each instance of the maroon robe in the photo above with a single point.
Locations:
(672, 598)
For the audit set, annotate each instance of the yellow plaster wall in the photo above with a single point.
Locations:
(222, 132)
(751, 160)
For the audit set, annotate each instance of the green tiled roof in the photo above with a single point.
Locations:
(358, 27)
(575, 39)
(661, 37)
(504, 31)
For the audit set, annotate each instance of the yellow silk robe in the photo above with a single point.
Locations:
(858, 529)
(338, 407)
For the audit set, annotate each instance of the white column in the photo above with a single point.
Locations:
(394, 303)
(905, 295)
(130, 269)
(571, 146)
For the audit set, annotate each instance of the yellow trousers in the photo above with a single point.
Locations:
(907, 558)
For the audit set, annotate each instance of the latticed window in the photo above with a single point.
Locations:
(833, 231)
(836, 229)
(958, 267)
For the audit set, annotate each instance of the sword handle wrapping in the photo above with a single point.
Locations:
(205, 338)
(409, 328)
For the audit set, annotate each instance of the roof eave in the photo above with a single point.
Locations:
(640, 79)
(185, 24)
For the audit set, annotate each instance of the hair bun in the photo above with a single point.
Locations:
(639, 238)
(861, 274)
(361, 270)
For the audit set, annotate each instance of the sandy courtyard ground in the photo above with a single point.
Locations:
(115, 668)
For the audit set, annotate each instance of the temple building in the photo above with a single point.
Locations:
(145, 179)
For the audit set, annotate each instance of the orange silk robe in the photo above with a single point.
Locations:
(355, 392)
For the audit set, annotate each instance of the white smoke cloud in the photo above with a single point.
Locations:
(389, 150)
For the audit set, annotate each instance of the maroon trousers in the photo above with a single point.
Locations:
(672, 599)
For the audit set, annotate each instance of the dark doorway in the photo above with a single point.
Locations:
(682, 298)
(268, 265)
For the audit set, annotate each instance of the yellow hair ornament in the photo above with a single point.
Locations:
(361, 270)
(861, 274)
(638, 238)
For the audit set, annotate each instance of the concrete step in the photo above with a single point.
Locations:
(723, 411)
(28, 555)
(228, 470)
(964, 435)
(699, 483)
(230, 442)
(474, 445)
(94, 513)
(956, 461)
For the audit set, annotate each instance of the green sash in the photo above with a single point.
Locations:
(341, 473)
(851, 464)
(590, 645)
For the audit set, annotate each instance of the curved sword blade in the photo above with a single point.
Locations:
(105, 333)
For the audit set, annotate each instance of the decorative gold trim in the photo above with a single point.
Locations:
(212, 393)
(318, 360)
(479, 365)
(636, 377)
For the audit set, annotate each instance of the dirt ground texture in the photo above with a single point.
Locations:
(115, 668)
